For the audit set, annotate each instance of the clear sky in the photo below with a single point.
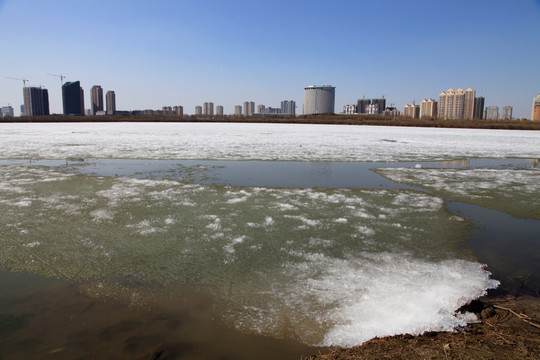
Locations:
(185, 52)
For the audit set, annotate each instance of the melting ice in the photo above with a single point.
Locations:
(327, 267)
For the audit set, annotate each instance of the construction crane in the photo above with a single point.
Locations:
(62, 77)
(19, 79)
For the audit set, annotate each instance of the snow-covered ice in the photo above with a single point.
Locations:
(226, 141)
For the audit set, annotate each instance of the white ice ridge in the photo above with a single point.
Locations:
(391, 294)
(293, 142)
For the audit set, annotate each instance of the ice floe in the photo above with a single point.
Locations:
(514, 191)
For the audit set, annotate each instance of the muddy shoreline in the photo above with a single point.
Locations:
(509, 328)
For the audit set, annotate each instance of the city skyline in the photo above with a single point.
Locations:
(157, 55)
(453, 105)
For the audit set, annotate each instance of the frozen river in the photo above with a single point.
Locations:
(330, 235)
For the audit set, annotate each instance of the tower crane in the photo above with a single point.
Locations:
(19, 79)
(62, 77)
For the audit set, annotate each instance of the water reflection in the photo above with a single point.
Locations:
(323, 174)
(456, 163)
(507, 244)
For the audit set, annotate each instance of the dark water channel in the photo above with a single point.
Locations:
(509, 245)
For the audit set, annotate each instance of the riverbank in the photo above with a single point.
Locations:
(328, 119)
(509, 328)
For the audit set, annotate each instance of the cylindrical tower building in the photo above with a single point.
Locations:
(319, 99)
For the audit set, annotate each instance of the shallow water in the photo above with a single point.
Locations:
(292, 174)
(282, 259)
(44, 318)
(508, 244)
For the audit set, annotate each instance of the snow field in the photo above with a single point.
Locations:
(224, 141)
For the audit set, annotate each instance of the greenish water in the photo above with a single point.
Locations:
(321, 253)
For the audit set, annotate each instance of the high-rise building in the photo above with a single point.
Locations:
(479, 107)
(219, 110)
(350, 109)
(411, 111)
(111, 102)
(22, 110)
(506, 113)
(428, 109)
(249, 108)
(456, 104)
(381, 103)
(536, 113)
(536, 109)
(36, 101)
(362, 105)
(179, 110)
(372, 109)
(198, 110)
(271, 111)
(208, 108)
(468, 105)
(97, 99)
(391, 111)
(73, 98)
(492, 113)
(260, 109)
(288, 107)
(238, 110)
(7, 111)
(319, 99)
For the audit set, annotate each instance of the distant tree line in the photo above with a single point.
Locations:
(337, 119)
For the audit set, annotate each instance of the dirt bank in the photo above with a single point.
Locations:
(332, 119)
(509, 329)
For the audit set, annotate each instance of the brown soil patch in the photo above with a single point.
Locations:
(509, 329)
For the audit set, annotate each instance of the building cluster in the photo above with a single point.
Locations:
(371, 107)
(456, 105)
(452, 105)
(7, 111)
(288, 107)
(97, 101)
(36, 101)
(165, 110)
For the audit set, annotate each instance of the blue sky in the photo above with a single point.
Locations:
(183, 52)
